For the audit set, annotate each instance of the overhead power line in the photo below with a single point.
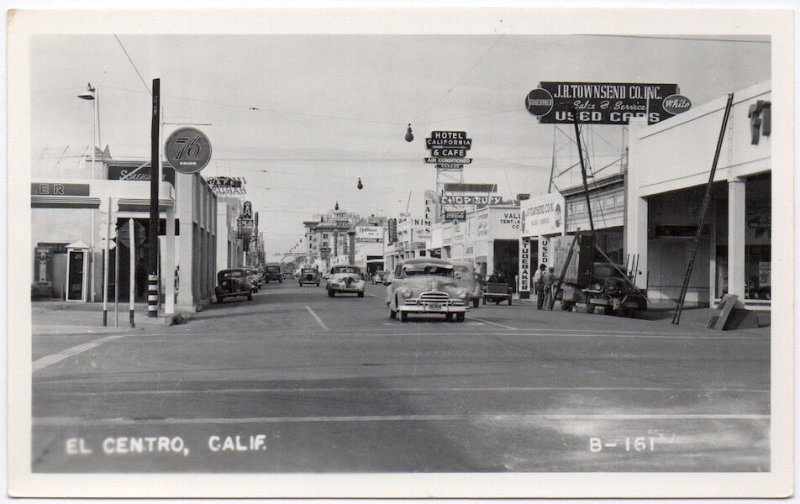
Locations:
(134, 65)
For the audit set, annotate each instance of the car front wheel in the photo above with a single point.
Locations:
(460, 317)
(403, 316)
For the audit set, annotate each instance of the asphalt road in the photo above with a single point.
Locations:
(294, 381)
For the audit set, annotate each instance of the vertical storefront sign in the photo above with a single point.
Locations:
(524, 267)
(544, 251)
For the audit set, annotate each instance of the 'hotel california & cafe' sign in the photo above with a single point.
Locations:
(604, 102)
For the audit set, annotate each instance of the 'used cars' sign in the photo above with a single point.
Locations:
(600, 102)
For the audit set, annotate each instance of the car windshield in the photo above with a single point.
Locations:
(428, 269)
(274, 269)
(308, 270)
(345, 269)
(232, 274)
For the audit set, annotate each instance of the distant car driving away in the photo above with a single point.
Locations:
(379, 277)
(345, 278)
(309, 276)
(426, 286)
(233, 283)
(272, 271)
(468, 279)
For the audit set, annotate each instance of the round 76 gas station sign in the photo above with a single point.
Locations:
(188, 150)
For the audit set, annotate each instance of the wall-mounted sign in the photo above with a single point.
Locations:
(141, 173)
(247, 210)
(543, 215)
(601, 102)
(475, 188)
(227, 185)
(524, 266)
(54, 189)
(454, 199)
(369, 234)
(188, 150)
(451, 215)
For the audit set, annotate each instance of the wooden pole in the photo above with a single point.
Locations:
(155, 179)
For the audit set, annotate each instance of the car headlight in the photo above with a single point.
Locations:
(406, 293)
(597, 286)
(462, 294)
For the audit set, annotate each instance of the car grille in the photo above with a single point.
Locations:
(434, 297)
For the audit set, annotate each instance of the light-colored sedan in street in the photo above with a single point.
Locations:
(345, 278)
(426, 286)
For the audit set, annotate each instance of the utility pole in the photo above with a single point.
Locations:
(583, 171)
(155, 179)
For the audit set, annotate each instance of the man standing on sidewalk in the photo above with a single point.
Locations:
(549, 280)
(538, 284)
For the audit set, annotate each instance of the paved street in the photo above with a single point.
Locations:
(295, 381)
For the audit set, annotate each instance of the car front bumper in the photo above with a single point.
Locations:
(425, 308)
(346, 289)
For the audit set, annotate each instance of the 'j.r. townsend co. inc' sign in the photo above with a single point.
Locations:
(543, 215)
(604, 102)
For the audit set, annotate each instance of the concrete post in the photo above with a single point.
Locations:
(736, 237)
(168, 263)
(185, 203)
(638, 236)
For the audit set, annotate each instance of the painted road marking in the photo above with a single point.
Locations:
(547, 333)
(495, 324)
(316, 317)
(93, 422)
(49, 360)
(263, 390)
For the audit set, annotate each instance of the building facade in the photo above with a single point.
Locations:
(72, 216)
(488, 236)
(669, 167)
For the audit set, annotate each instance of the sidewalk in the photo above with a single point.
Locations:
(661, 312)
(59, 317)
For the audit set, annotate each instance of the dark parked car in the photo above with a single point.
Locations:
(232, 283)
(309, 276)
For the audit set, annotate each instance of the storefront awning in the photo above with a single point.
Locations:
(42, 201)
(142, 205)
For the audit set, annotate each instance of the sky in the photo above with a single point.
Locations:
(302, 117)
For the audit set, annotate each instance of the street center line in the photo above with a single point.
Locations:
(521, 417)
(316, 317)
(495, 324)
(49, 360)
